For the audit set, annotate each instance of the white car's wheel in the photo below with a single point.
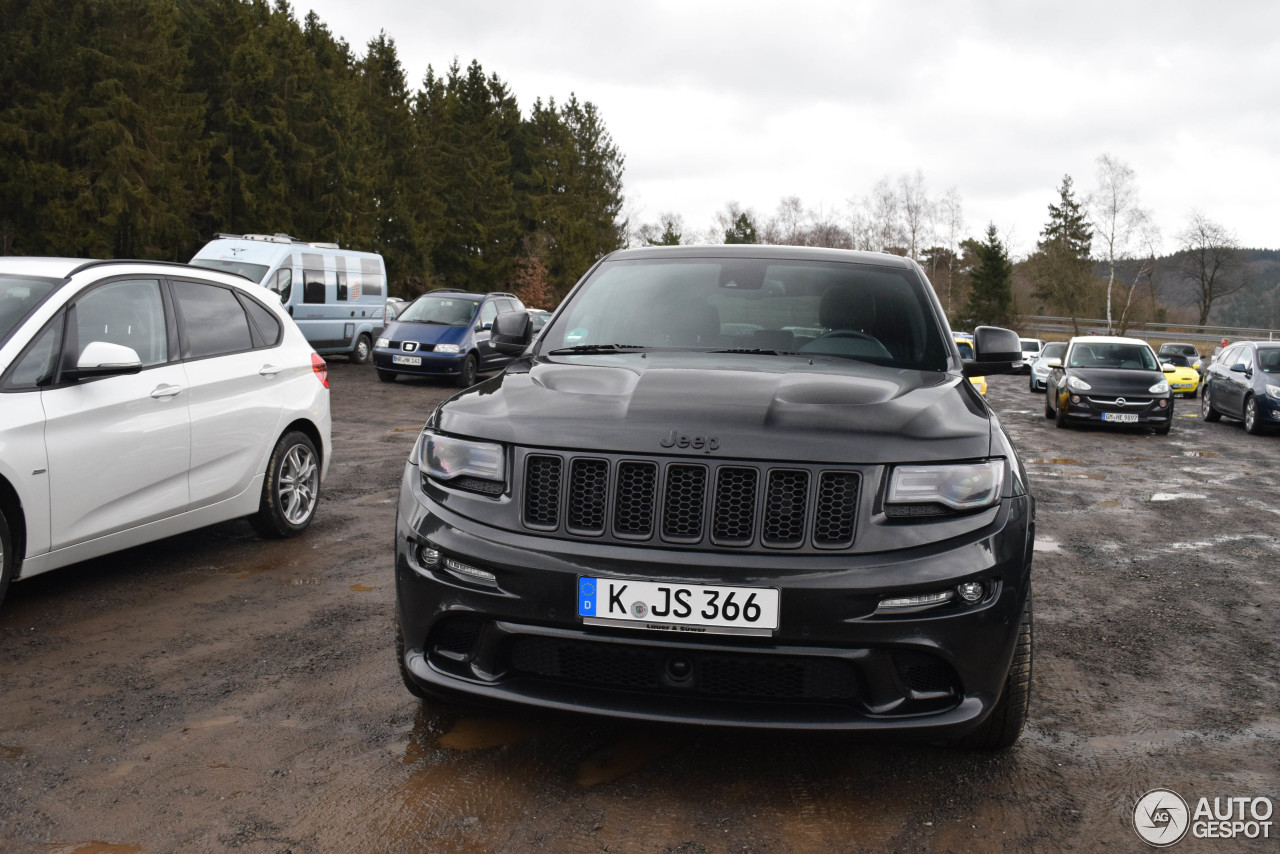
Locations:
(291, 490)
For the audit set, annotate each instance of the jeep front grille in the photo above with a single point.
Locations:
(681, 501)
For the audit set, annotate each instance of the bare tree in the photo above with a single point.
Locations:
(951, 221)
(1116, 218)
(1212, 262)
(1147, 240)
(824, 230)
(883, 208)
(728, 219)
(918, 213)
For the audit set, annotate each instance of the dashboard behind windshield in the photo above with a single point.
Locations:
(449, 311)
(1135, 357)
(821, 308)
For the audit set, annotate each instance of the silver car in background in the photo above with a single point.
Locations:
(1040, 367)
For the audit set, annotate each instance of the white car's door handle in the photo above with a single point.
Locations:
(164, 390)
(270, 370)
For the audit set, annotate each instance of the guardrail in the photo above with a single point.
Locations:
(1037, 326)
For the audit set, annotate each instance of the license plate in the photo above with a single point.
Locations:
(1120, 417)
(1182, 385)
(406, 360)
(678, 607)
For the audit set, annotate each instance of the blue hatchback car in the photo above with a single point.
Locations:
(444, 333)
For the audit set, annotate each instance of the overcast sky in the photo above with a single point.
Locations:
(718, 101)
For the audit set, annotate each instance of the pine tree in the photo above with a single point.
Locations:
(991, 284)
(1060, 269)
(743, 230)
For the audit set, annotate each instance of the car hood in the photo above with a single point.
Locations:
(1117, 381)
(425, 333)
(730, 405)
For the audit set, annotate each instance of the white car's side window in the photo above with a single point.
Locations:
(130, 313)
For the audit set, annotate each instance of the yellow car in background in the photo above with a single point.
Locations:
(965, 344)
(1185, 379)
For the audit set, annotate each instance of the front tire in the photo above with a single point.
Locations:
(8, 559)
(1207, 412)
(291, 489)
(1252, 423)
(1003, 726)
(362, 351)
(467, 376)
(1060, 418)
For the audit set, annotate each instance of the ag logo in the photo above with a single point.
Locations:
(1160, 817)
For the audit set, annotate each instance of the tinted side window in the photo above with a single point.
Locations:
(266, 322)
(213, 323)
(130, 313)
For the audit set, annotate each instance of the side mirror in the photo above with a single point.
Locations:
(1238, 368)
(1055, 362)
(995, 351)
(101, 359)
(1167, 368)
(511, 332)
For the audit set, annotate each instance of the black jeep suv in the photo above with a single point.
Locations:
(735, 485)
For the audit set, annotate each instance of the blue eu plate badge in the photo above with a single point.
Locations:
(587, 597)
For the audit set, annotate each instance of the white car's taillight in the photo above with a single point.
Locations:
(320, 368)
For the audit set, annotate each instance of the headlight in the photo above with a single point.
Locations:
(961, 486)
(1078, 384)
(447, 348)
(444, 458)
(1196, 366)
(1161, 387)
(1273, 391)
(382, 342)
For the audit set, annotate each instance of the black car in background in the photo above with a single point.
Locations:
(1244, 382)
(736, 485)
(1179, 348)
(1104, 379)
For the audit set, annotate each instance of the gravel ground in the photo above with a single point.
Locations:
(217, 692)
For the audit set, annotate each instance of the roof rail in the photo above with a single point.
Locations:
(108, 261)
(502, 294)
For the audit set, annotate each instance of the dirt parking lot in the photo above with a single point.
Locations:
(216, 692)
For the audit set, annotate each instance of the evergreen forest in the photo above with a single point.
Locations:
(139, 128)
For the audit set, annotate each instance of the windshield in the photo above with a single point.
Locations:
(1269, 359)
(253, 272)
(1176, 360)
(1030, 346)
(825, 308)
(1054, 350)
(965, 348)
(18, 296)
(449, 311)
(1105, 354)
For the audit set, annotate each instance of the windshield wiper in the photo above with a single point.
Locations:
(596, 348)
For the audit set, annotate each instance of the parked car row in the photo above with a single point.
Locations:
(1114, 380)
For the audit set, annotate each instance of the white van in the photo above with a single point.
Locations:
(336, 296)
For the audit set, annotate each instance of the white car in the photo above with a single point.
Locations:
(142, 399)
(1031, 348)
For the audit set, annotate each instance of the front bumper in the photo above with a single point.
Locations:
(1082, 407)
(833, 663)
(433, 364)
